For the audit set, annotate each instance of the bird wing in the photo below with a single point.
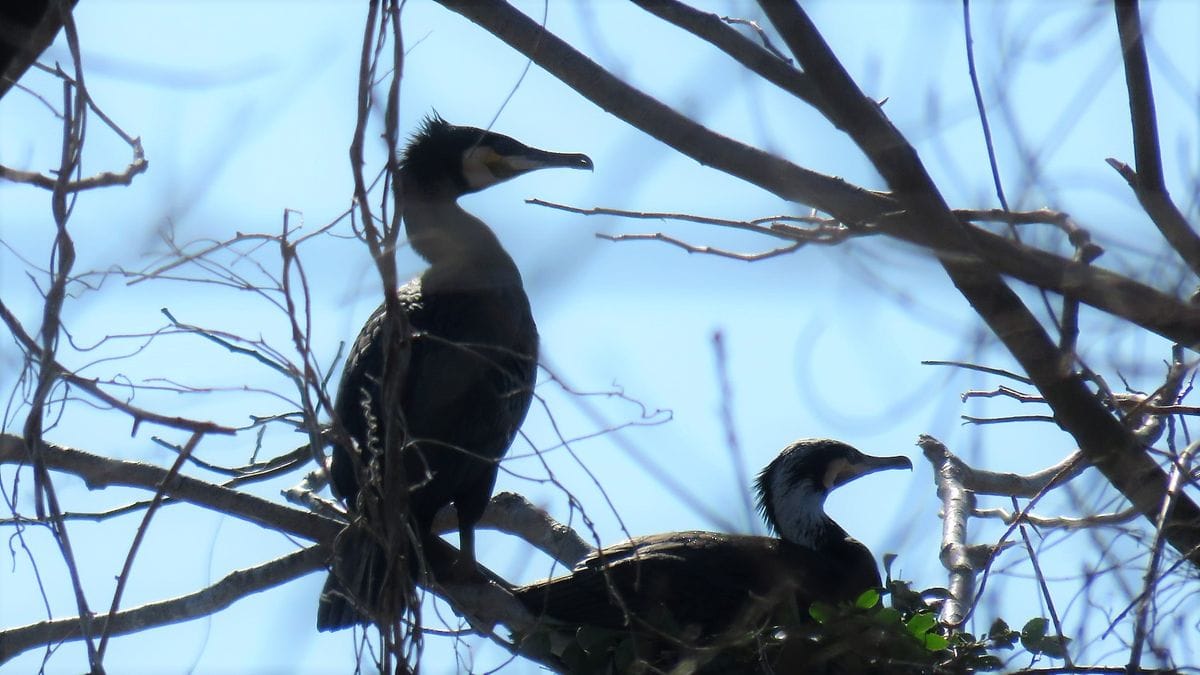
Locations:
(695, 583)
(359, 405)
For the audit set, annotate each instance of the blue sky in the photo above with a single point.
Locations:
(246, 109)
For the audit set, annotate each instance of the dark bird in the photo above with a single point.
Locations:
(696, 587)
(27, 28)
(470, 363)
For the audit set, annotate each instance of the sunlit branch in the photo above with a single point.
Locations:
(222, 594)
(486, 602)
(1059, 522)
(707, 250)
(100, 472)
(957, 505)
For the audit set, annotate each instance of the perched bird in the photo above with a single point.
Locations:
(469, 367)
(698, 588)
(26, 29)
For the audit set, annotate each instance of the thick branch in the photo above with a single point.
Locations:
(486, 602)
(710, 28)
(513, 514)
(1148, 183)
(1103, 440)
(1014, 484)
(235, 586)
(1135, 302)
(100, 472)
(958, 503)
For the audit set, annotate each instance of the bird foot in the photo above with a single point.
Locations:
(465, 571)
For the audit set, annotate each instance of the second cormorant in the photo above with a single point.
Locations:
(700, 588)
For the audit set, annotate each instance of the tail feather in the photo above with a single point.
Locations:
(362, 588)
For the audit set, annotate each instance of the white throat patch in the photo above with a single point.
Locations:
(799, 509)
(476, 169)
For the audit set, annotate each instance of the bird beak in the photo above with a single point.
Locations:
(533, 159)
(844, 472)
(484, 167)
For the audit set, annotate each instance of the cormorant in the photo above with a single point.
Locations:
(27, 28)
(693, 588)
(470, 368)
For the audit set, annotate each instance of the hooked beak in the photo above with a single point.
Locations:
(533, 159)
(866, 464)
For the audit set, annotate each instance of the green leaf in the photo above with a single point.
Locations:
(868, 599)
(1032, 634)
(1001, 636)
(921, 623)
(820, 611)
(888, 616)
(1054, 647)
(935, 642)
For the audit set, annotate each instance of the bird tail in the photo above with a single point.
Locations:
(363, 588)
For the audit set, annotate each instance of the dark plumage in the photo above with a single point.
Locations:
(699, 586)
(27, 28)
(469, 371)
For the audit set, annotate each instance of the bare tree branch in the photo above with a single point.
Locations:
(1148, 182)
(100, 472)
(1135, 302)
(222, 594)
(957, 505)
(1107, 444)
(763, 61)
(486, 602)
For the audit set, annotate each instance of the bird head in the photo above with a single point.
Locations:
(792, 488)
(443, 158)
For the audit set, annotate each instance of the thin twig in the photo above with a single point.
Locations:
(1041, 579)
(983, 369)
(139, 535)
(981, 108)
(707, 250)
(1180, 471)
(1059, 522)
(970, 419)
(1002, 390)
(139, 415)
(762, 36)
(736, 454)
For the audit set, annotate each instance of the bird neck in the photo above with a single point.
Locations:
(445, 235)
(799, 516)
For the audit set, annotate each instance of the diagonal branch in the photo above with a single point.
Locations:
(100, 472)
(1137, 303)
(715, 31)
(1148, 182)
(51, 365)
(1108, 445)
(486, 602)
(233, 587)
(972, 257)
